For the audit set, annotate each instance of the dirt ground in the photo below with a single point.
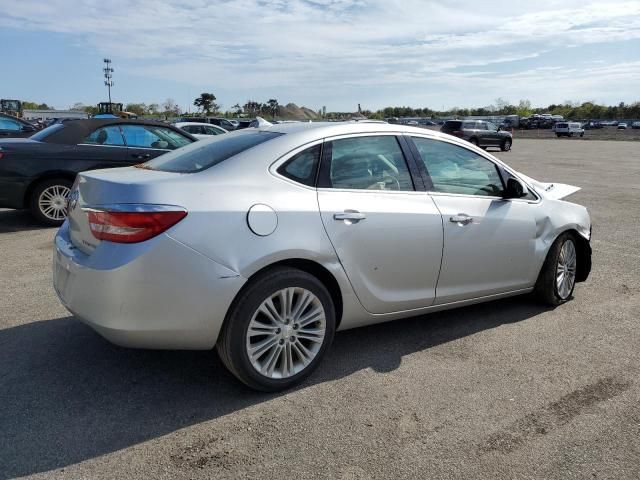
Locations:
(503, 390)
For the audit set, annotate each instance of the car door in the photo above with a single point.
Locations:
(387, 235)
(145, 142)
(491, 134)
(489, 242)
(102, 148)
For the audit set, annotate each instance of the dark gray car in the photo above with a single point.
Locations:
(480, 133)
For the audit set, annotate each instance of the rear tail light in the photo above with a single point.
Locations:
(1, 153)
(457, 133)
(131, 227)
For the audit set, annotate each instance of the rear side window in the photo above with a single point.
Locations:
(105, 136)
(470, 125)
(303, 166)
(449, 126)
(202, 155)
(366, 163)
(42, 134)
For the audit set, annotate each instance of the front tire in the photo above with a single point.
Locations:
(506, 145)
(48, 201)
(278, 329)
(557, 278)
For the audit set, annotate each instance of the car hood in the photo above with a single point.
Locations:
(556, 191)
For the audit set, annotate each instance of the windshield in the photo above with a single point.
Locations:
(206, 153)
(42, 134)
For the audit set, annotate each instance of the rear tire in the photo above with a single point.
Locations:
(506, 145)
(48, 201)
(557, 277)
(267, 340)
(473, 141)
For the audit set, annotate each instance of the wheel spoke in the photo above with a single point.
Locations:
(269, 310)
(313, 316)
(272, 360)
(303, 353)
(258, 350)
(315, 335)
(304, 300)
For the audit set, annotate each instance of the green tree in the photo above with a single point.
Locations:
(272, 106)
(137, 108)
(206, 102)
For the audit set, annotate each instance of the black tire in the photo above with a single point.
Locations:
(506, 145)
(570, 134)
(473, 141)
(582, 135)
(546, 289)
(34, 204)
(558, 135)
(232, 346)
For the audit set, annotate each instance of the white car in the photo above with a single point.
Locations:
(200, 130)
(568, 129)
(265, 241)
(622, 126)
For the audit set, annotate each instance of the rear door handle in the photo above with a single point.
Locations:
(461, 219)
(140, 155)
(350, 216)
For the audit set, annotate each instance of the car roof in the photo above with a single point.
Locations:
(75, 130)
(310, 131)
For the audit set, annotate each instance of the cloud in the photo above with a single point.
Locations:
(314, 45)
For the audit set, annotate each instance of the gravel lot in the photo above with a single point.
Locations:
(501, 390)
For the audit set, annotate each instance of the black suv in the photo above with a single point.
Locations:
(480, 133)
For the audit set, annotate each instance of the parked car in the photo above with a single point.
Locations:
(480, 133)
(568, 129)
(265, 241)
(622, 126)
(635, 125)
(14, 127)
(200, 130)
(37, 172)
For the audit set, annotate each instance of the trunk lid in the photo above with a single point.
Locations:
(129, 185)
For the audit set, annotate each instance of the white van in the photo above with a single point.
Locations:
(568, 129)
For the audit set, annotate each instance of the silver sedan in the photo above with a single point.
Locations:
(265, 241)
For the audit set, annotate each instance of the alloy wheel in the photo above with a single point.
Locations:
(52, 202)
(566, 270)
(286, 333)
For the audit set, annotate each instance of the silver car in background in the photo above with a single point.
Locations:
(265, 241)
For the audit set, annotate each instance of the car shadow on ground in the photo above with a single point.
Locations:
(17, 221)
(67, 395)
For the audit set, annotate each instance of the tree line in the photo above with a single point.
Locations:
(206, 105)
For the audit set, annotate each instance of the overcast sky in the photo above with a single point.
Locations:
(336, 53)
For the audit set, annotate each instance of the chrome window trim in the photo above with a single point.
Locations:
(125, 146)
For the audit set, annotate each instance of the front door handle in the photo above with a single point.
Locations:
(140, 156)
(350, 216)
(461, 219)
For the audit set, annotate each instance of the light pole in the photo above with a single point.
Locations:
(108, 74)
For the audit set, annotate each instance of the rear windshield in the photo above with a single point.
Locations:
(204, 154)
(42, 134)
(455, 125)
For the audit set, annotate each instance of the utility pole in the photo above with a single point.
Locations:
(108, 75)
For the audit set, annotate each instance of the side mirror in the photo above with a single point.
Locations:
(514, 189)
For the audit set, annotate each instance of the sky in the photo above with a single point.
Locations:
(333, 53)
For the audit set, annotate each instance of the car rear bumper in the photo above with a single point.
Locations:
(155, 294)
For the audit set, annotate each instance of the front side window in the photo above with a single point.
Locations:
(105, 136)
(8, 124)
(454, 169)
(151, 136)
(302, 166)
(367, 163)
(491, 126)
(193, 129)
